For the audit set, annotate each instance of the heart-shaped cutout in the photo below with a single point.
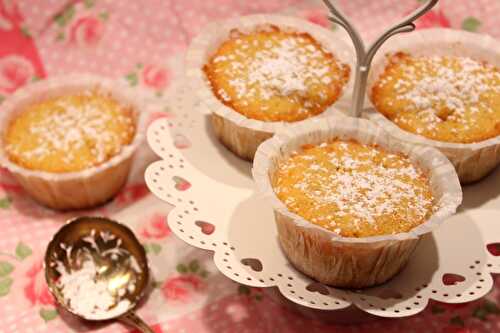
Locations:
(494, 249)
(253, 263)
(450, 279)
(181, 184)
(205, 227)
(159, 115)
(181, 142)
(389, 293)
(317, 287)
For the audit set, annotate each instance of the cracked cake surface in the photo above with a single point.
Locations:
(354, 190)
(69, 133)
(275, 75)
(444, 98)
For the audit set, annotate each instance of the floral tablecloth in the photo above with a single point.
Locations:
(142, 43)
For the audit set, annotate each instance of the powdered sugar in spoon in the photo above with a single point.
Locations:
(97, 270)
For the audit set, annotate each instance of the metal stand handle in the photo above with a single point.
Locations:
(364, 57)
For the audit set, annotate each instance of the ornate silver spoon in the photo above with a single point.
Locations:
(97, 270)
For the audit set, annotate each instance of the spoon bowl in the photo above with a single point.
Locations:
(117, 261)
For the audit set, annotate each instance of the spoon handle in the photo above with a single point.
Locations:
(134, 320)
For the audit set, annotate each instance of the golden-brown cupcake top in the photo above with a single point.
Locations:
(445, 98)
(69, 133)
(353, 189)
(274, 75)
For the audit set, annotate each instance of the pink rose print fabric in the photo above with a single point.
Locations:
(36, 290)
(471, 16)
(86, 31)
(131, 193)
(143, 43)
(182, 288)
(432, 19)
(19, 59)
(316, 15)
(15, 72)
(155, 77)
(156, 227)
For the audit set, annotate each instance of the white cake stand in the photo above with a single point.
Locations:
(216, 209)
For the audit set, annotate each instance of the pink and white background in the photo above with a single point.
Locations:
(143, 44)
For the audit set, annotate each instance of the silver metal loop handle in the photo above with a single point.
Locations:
(364, 57)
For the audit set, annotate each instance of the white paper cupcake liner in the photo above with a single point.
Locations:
(473, 160)
(241, 134)
(325, 255)
(82, 189)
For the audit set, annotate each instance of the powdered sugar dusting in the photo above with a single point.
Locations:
(265, 66)
(82, 283)
(89, 296)
(442, 97)
(79, 131)
(354, 190)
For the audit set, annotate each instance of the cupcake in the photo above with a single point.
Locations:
(350, 201)
(260, 73)
(448, 98)
(69, 141)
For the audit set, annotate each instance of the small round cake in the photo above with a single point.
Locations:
(350, 201)
(354, 190)
(69, 133)
(274, 75)
(444, 98)
(259, 74)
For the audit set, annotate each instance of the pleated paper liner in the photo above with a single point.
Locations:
(472, 161)
(241, 134)
(325, 255)
(82, 189)
(217, 209)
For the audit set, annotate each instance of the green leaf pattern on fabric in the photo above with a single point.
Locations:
(194, 266)
(181, 268)
(65, 17)
(60, 36)
(132, 79)
(5, 203)
(89, 3)
(48, 314)
(25, 31)
(5, 284)
(152, 248)
(104, 16)
(5, 268)
(471, 24)
(457, 320)
(485, 309)
(23, 251)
